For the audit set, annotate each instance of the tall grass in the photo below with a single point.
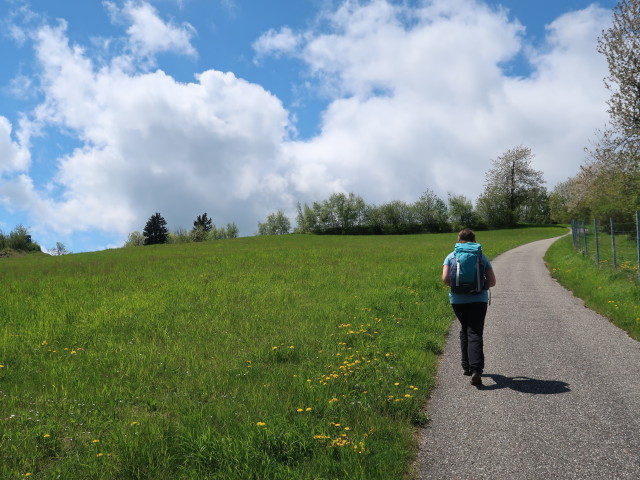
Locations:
(613, 293)
(292, 357)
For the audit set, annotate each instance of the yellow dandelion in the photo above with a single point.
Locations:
(134, 423)
(292, 346)
(260, 424)
(28, 474)
(100, 455)
(397, 383)
(95, 441)
(308, 409)
(46, 435)
(44, 342)
(407, 395)
(1, 366)
(73, 352)
(334, 399)
(299, 410)
(347, 428)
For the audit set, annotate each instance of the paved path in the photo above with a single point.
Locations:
(561, 394)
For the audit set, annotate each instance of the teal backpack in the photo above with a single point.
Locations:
(467, 270)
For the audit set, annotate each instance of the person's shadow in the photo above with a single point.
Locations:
(526, 385)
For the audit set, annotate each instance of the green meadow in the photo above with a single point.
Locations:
(280, 357)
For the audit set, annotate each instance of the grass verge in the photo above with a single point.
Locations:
(612, 293)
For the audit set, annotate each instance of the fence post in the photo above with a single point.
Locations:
(638, 239)
(595, 232)
(613, 243)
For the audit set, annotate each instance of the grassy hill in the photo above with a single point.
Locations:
(290, 357)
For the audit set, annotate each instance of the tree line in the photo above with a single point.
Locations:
(608, 184)
(156, 232)
(514, 193)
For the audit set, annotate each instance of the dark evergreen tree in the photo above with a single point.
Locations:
(155, 231)
(202, 222)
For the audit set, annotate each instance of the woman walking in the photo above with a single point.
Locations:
(470, 307)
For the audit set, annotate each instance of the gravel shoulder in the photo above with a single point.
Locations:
(561, 393)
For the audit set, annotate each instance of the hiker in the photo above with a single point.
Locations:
(469, 299)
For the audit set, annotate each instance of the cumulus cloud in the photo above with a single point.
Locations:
(151, 143)
(422, 101)
(148, 33)
(419, 98)
(13, 157)
(276, 43)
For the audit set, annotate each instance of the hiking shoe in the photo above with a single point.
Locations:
(466, 372)
(476, 379)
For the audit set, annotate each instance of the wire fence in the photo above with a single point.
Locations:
(609, 243)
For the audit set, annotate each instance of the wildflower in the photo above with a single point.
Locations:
(100, 454)
(299, 410)
(73, 352)
(347, 428)
(397, 383)
(1, 366)
(275, 348)
(407, 395)
(334, 399)
(308, 409)
(28, 474)
(261, 424)
(44, 342)
(292, 347)
(95, 441)
(134, 423)
(46, 435)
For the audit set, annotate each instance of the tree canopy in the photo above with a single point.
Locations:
(510, 185)
(609, 183)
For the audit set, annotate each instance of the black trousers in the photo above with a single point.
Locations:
(471, 316)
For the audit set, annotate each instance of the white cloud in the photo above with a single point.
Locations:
(423, 103)
(151, 143)
(13, 157)
(276, 43)
(148, 33)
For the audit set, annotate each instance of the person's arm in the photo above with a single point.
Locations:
(445, 274)
(491, 277)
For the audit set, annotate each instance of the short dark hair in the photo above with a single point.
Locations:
(467, 235)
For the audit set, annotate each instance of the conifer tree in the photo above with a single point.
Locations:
(155, 231)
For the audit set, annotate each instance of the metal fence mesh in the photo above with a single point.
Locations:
(609, 243)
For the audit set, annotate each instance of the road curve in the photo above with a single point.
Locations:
(561, 393)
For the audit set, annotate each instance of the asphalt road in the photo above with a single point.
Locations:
(561, 388)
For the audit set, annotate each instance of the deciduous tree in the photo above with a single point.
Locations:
(620, 44)
(276, 224)
(510, 182)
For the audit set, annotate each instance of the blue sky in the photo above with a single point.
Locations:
(111, 111)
